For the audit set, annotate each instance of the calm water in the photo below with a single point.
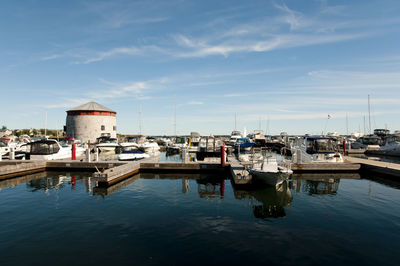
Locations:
(58, 218)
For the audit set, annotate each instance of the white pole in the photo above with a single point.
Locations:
(88, 154)
(96, 154)
(11, 154)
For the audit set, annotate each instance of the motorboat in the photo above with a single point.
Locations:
(150, 147)
(50, 149)
(194, 142)
(107, 144)
(244, 144)
(235, 135)
(316, 149)
(270, 172)
(131, 142)
(132, 155)
(391, 147)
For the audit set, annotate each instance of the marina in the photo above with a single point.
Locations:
(200, 133)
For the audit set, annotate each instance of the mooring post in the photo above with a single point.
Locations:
(1, 157)
(73, 157)
(88, 154)
(11, 154)
(298, 156)
(344, 146)
(223, 156)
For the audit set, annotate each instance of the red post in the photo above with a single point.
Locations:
(223, 159)
(73, 151)
(344, 147)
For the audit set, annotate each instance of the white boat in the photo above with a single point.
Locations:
(149, 147)
(270, 172)
(194, 142)
(315, 149)
(234, 136)
(107, 144)
(50, 149)
(132, 155)
(391, 148)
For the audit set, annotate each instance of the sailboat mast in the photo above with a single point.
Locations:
(45, 124)
(369, 114)
(347, 125)
(175, 116)
(235, 121)
(140, 118)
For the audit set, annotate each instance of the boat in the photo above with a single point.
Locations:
(50, 149)
(391, 147)
(132, 154)
(107, 144)
(244, 144)
(316, 149)
(235, 135)
(270, 173)
(130, 142)
(194, 142)
(150, 147)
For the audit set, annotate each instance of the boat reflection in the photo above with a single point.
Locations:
(319, 184)
(57, 181)
(12, 182)
(268, 201)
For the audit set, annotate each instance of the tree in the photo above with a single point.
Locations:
(3, 128)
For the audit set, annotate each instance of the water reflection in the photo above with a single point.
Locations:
(319, 184)
(12, 182)
(267, 202)
(57, 181)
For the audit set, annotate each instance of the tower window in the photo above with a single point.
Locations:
(114, 128)
(103, 127)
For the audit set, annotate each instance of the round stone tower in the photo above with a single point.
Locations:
(90, 121)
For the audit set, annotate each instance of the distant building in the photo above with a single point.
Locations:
(90, 121)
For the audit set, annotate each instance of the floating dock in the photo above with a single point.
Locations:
(388, 169)
(111, 172)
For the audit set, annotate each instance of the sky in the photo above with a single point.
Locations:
(279, 66)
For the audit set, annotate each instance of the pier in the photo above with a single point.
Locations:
(388, 169)
(108, 173)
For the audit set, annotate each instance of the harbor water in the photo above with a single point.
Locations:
(59, 218)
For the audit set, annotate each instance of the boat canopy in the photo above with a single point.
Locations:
(43, 147)
(320, 145)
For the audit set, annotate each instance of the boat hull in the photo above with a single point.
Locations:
(268, 178)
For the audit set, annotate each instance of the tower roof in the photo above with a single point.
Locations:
(91, 106)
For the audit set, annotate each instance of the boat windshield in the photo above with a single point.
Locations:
(2, 144)
(320, 146)
(43, 148)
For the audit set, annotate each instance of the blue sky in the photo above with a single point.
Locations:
(287, 62)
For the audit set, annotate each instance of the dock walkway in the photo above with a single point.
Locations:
(11, 169)
(391, 169)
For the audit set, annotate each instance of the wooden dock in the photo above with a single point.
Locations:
(118, 173)
(389, 169)
(240, 176)
(325, 167)
(9, 169)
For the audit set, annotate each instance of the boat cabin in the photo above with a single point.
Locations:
(43, 147)
(320, 145)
